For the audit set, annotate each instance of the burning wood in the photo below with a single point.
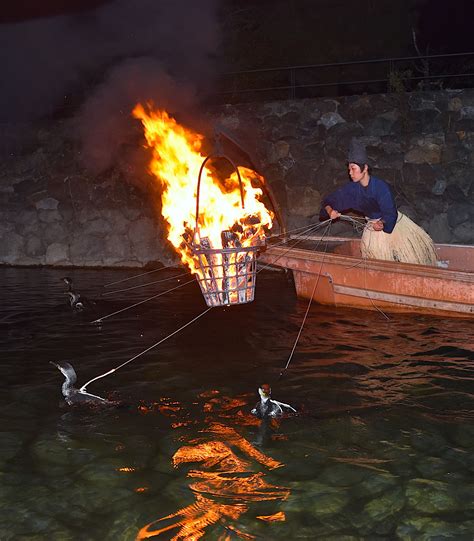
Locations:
(228, 241)
(209, 266)
(223, 257)
(228, 273)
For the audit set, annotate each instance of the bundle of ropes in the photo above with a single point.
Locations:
(420, 248)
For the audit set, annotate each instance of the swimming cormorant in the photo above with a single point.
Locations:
(267, 407)
(74, 298)
(72, 395)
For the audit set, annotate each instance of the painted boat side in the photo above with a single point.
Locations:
(345, 280)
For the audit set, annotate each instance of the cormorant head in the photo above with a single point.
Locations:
(66, 370)
(67, 280)
(265, 391)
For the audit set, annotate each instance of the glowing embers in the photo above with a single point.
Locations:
(215, 236)
(228, 275)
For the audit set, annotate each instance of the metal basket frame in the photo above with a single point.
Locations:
(228, 274)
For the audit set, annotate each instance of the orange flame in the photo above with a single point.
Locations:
(176, 162)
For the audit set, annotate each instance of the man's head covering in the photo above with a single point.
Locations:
(357, 153)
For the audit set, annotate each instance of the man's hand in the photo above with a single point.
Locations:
(333, 214)
(377, 225)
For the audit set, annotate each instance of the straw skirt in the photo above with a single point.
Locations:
(407, 243)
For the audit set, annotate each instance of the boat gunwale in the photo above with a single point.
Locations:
(351, 261)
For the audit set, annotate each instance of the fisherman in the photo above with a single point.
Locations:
(388, 234)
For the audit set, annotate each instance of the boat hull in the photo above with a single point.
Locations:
(342, 278)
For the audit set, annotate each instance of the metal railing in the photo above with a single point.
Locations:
(376, 76)
(455, 70)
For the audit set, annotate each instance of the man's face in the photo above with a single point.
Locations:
(355, 172)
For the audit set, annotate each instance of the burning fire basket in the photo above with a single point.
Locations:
(226, 275)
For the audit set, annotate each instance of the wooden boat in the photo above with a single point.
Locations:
(332, 271)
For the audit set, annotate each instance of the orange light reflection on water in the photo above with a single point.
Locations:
(192, 520)
(244, 445)
(227, 474)
(277, 517)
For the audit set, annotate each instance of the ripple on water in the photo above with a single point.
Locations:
(382, 446)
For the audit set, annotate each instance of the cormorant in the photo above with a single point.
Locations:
(72, 395)
(267, 407)
(74, 298)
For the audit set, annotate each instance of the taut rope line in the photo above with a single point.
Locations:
(307, 232)
(168, 267)
(143, 285)
(138, 275)
(100, 319)
(83, 388)
(303, 227)
(310, 301)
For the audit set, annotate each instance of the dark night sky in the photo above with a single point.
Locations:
(114, 53)
(106, 58)
(51, 48)
(47, 54)
(23, 10)
(446, 27)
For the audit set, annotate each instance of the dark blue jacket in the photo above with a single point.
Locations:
(374, 201)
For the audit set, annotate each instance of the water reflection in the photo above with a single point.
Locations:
(381, 449)
(227, 480)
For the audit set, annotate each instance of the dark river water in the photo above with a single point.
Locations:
(382, 446)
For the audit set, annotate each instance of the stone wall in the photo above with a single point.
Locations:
(53, 213)
(50, 234)
(422, 143)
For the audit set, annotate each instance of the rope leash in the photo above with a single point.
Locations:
(138, 275)
(309, 303)
(100, 319)
(357, 224)
(143, 285)
(83, 388)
